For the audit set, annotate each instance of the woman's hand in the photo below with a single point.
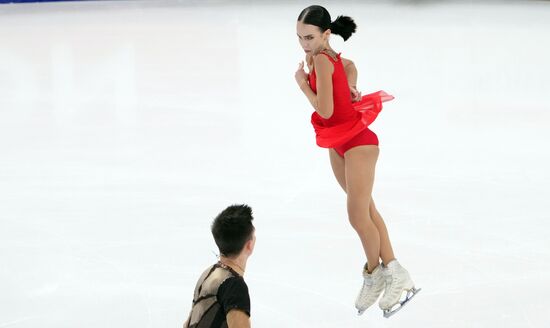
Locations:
(300, 75)
(355, 95)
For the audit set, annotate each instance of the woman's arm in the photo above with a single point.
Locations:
(306, 89)
(322, 102)
(302, 80)
(323, 71)
(351, 72)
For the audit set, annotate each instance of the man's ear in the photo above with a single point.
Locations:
(250, 244)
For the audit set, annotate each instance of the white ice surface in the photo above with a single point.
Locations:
(125, 127)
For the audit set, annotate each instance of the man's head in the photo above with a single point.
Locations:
(233, 231)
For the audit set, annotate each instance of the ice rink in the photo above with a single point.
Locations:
(125, 127)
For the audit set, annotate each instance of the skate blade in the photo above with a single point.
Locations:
(410, 295)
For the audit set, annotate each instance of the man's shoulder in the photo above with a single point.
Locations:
(233, 287)
(213, 276)
(233, 295)
(235, 282)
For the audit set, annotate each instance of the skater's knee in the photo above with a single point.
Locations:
(359, 214)
(361, 223)
(358, 203)
(372, 207)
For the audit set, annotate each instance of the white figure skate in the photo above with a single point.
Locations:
(373, 285)
(397, 281)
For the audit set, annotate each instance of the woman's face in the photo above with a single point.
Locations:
(310, 37)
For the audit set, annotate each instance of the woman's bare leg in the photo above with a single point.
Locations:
(386, 250)
(338, 167)
(360, 163)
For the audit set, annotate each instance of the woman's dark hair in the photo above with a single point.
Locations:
(319, 16)
(232, 228)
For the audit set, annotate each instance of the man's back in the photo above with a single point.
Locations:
(219, 291)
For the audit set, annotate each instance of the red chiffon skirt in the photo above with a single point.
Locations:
(332, 136)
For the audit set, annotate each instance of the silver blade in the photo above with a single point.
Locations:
(410, 295)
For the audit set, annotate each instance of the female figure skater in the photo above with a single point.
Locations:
(341, 120)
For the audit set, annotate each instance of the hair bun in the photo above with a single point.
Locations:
(343, 26)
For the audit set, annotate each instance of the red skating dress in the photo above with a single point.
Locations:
(348, 125)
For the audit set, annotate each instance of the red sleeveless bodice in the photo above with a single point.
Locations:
(348, 118)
